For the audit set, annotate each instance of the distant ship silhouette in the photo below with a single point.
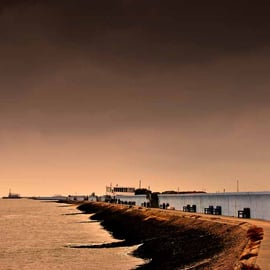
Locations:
(12, 195)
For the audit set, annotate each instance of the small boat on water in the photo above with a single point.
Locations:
(12, 195)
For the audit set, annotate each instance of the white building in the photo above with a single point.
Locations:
(78, 198)
(120, 190)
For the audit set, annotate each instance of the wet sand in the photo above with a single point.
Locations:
(178, 240)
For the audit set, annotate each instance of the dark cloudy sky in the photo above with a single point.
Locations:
(172, 93)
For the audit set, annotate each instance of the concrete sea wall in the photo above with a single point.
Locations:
(177, 240)
(231, 203)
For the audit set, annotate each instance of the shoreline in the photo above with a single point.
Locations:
(177, 240)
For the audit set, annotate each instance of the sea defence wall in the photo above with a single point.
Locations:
(173, 239)
(230, 203)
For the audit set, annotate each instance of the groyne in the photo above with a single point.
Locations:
(177, 240)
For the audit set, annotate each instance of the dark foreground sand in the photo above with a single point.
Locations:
(177, 240)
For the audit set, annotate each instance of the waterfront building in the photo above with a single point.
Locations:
(78, 198)
(120, 190)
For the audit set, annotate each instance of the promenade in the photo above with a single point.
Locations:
(263, 259)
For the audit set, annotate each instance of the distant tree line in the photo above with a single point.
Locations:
(181, 192)
(142, 191)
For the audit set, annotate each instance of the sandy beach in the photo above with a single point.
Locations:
(175, 240)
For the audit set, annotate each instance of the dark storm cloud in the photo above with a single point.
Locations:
(130, 61)
(149, 32)
(129, 35)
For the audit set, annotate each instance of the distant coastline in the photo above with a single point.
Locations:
(172, 239)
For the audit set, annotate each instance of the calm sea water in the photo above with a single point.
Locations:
(38, 235)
